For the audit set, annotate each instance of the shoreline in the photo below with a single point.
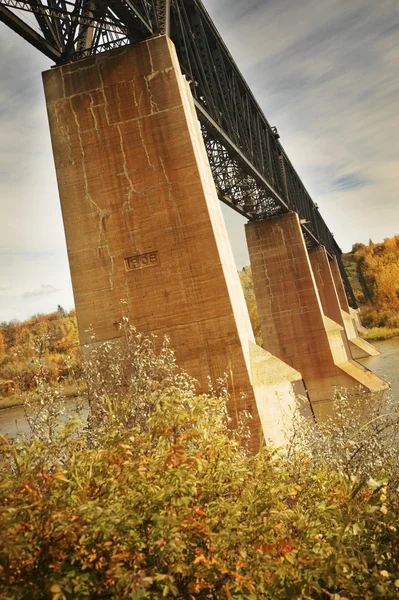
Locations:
(380, 334)
(16, 401)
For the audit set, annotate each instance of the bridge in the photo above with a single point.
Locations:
(250, 169)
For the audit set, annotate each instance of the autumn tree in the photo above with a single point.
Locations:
(48, 342)
(378, 264)
(2, 348)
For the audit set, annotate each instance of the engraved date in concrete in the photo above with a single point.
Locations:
(141, 261)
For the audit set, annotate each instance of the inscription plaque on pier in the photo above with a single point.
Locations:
(141, 261)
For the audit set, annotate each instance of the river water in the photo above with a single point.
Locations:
(12, 420)
(386, 365)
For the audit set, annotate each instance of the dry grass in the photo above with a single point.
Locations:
(380, 333)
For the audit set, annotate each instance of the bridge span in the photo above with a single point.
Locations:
(151, 122)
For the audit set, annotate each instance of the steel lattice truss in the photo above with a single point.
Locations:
(252, 172)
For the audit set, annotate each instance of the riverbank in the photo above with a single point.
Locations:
(69, 391)
(380, 333)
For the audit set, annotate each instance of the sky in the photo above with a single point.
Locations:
(325, 73)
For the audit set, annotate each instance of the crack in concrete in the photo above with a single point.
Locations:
(137, 104)
(150, 57)
(63, 83)
(131, 190)
(119, 101)
(160, 72)
(93, 115)
(168, 181)
(111, 273)
(104, 95)
(144, 145)
(102, 213)
(153, 104)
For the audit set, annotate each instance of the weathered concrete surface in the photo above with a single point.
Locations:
(339, 286)
(294, 327)
(145, 234)
(280, 392)
(359, 347)
(355, 314)
(321, 267)
(325, 284)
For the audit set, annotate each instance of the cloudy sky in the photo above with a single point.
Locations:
(324, 71)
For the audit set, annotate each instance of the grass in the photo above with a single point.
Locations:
(380, 333)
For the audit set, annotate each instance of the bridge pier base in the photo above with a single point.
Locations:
(293, 325)
(144, 229)
(360, 348)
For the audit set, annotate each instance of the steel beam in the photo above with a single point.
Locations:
(29, 34)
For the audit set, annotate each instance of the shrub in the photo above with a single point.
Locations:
(168, 503)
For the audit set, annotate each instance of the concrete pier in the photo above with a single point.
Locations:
(359, 348)
(294, 327)
(144, 228)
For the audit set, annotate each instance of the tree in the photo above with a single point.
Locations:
(374, 275)
(61, 311)
(2, 348)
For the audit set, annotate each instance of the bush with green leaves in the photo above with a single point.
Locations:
(156, 497)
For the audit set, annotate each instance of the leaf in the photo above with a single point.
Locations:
(56, 591)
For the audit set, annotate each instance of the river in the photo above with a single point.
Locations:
(386, 365)
(12, 420)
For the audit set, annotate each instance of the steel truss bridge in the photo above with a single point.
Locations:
(251, 170)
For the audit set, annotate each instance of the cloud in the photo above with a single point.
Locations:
(44, 290)
(349, 182)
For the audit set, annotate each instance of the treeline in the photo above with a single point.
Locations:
(45, 344)
(373, 271)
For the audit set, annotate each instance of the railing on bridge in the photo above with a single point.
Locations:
(251, 170)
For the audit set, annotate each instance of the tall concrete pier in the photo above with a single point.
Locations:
(294, 326)
(326, 273)
(144, 228)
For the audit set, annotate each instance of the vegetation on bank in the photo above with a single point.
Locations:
(373, 271)
(156, 497)
(380, 333)
(46, 345)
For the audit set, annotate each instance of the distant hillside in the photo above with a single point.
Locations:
(45, 343)
(373, 271)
